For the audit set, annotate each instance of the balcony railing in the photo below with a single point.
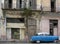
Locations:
(10, 6)
(6, 6)
(36, 7)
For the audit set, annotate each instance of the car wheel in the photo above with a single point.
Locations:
(55, 41)
(38, 41)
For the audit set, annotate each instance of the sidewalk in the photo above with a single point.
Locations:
(13, 41)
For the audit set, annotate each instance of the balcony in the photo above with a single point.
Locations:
(15, 6)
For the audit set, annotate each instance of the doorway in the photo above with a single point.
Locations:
(53, 27)
(15, 33)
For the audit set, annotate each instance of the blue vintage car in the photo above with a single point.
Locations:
(44, 37)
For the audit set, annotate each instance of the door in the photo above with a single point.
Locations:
(53, 27)
(15, 33)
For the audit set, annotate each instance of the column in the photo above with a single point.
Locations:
(38, 26)
(3, 30)
(8, 33)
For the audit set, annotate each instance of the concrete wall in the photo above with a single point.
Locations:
(2, 27)
(45, 5)
(2, 30)
(57, 5)
(44, 26)
(59, 27)
(8, 33)
(15, 25)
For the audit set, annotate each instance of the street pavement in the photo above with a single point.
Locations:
(17, 42)
(29, 43)
(25, 43)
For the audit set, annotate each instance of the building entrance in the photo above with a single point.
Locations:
(53, 27)
(15, 33)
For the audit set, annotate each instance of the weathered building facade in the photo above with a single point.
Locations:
(47, 20)
(15, 23)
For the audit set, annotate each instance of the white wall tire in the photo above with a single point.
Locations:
(37, 41)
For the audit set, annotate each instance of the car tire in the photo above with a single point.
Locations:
(55, 41)
(37, 41)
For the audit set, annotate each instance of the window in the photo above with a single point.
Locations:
(10, 3)
(15, 20)
(20, 3)
(30, 3)
(53, 5)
